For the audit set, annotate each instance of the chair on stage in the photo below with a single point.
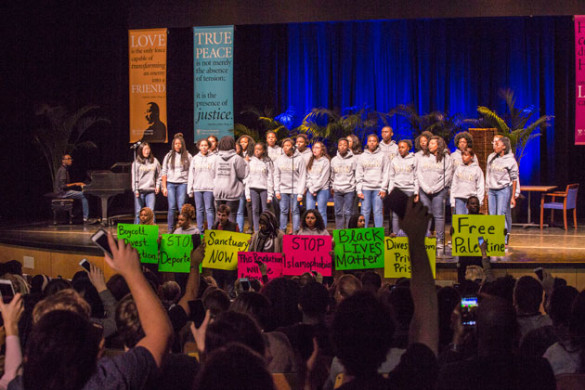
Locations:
(568, 202)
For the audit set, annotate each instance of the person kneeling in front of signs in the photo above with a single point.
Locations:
(225, 279)
(186, 221)
(312, 224)
(269, 237)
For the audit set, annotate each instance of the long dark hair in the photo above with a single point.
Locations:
(441, 147)
(250, 148)
(139, 156)
(61, 352)
(325, 154)
(356, 148)
(226, 143)
(319, 223)
(184, 152)
(203, 140)
(353, 221)
(428, 135)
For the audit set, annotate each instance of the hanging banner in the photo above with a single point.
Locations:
(148, 85)
(579, 79)
(214, 82)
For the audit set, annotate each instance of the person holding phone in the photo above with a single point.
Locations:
(175, 175)
(402, 175)
(318, 178)
(146, 180)
(434, 172)
(372, 180)
(201, 184)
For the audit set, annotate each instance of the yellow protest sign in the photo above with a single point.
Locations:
(397, 256)
(222, 247)
(468, 228)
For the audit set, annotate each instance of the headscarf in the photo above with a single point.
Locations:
(150, 214)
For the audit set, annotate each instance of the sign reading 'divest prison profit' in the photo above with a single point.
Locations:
(222, 247)
(397, 256)
(143, 238)
(175, 253)
(359, 248)
(306, 254)
(248, 266)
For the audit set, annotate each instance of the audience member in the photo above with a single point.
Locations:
(528, 296)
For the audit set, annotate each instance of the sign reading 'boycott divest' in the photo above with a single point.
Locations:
(306, 254)
(397, 256)
(468, 228)
(175, 253)
(143, 238)
(248, 268)
(222, 247)
(359, 248)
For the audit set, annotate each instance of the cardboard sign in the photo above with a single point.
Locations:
(175, 253)
(222, 247)
(359, 248)
(247, 267)
(468, 228)
(306, 254)
(397, 256)
(143, 238)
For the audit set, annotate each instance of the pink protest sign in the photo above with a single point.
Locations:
(579, 80)
(248, 268)
(307, 253)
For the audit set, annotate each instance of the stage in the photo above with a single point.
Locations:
(57, 249)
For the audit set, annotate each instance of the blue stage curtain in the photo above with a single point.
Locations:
(450, 65)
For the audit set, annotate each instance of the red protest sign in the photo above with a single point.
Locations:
(248, 268)
(306, 254)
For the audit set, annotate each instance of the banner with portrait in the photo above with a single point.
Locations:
(148, 85)
(214, 81)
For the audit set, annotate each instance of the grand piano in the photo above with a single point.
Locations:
(108, 183)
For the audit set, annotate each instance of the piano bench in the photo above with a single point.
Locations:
(58, 205)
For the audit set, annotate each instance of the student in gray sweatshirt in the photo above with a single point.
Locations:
(388, 145)
(402, 175)
(146, 178)
(372, 180)
(500, 179)
(290, 180)
(274, 151)
(343, 183)
(260, 182)
(468, 181)
(245, 149)
(318, 177)
(434, 172)
(229, 173)
(302, 142)
(200, 183)
(463, 140)
(175, 174)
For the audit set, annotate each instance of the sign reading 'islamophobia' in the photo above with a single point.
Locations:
(214, 83)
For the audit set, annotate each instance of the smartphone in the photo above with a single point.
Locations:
(538, 272)
(197, 312)
(6, 290)
(398, 200)
(480, 240)
(100, 238)
(468, 310)
(85, 264)
(245, 283)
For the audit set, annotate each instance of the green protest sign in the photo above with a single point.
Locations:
(222, 247)
(397, 256)
(468, 228)
(358, 248)
(143, 238)
(175, 253)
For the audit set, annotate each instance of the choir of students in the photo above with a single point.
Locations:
(259, 176)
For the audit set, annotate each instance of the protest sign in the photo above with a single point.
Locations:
(222, 247)
(175, 253)
(306, 254)
(143, 238)
(359, 248)
(397, 256)
(248, 268)
(468, 228)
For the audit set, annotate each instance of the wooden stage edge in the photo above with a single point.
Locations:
(56, 251)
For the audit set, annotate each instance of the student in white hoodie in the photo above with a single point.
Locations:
(146, 172)
(260, 182)
(434, 172)
(402, 175)
(318, 177)
(175, 175)
(201, 184)
(501, 175)
(343, 183)
(372, 180)
(290, 180)
(468, 181)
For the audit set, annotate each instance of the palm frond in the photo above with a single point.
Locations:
(493, 119)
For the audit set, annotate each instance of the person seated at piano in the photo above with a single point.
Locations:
(186, 221)
(175, 174)
(146, 178)
(64, 187)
